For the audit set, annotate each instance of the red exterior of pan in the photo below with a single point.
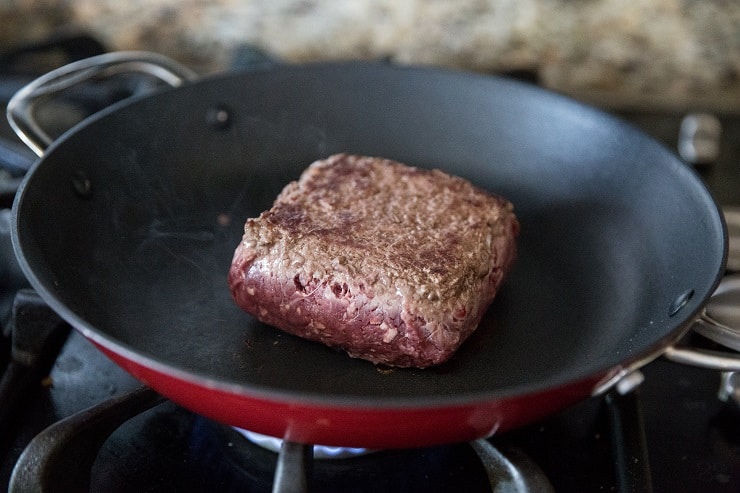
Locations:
(369, 427)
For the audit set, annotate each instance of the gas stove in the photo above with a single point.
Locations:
(71, 420)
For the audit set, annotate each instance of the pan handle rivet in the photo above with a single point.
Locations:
(680, 301)
(82, 185)
(219, 118)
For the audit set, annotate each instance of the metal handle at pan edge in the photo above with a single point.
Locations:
(625, 378)
(719, 321)
(705, 358)
(20, 108)
(727, 362)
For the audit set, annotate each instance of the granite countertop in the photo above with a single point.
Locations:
(670, 54)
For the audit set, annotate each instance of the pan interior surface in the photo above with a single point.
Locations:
(614, 227)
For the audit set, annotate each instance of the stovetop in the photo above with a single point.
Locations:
(670, 433)
(693, 441)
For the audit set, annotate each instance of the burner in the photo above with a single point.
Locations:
(90, 451)
(510, 471)
(319, 451)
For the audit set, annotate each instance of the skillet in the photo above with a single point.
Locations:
(127, 224)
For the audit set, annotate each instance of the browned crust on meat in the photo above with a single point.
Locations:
(392, 263)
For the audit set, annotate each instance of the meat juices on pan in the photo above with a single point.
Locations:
(393, 264)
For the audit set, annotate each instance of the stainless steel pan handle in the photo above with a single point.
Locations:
(727, 362)
(724, 305)
(20, 108)
(705, 358)
(719, 322)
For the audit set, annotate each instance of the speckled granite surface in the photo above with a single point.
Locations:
(661, 53)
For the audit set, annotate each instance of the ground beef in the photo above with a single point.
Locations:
(391, 263)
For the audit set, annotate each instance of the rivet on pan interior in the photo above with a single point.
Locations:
(82, 185)
(680, 302)
(219, 117)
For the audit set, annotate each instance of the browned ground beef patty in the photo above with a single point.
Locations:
(391, 263)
